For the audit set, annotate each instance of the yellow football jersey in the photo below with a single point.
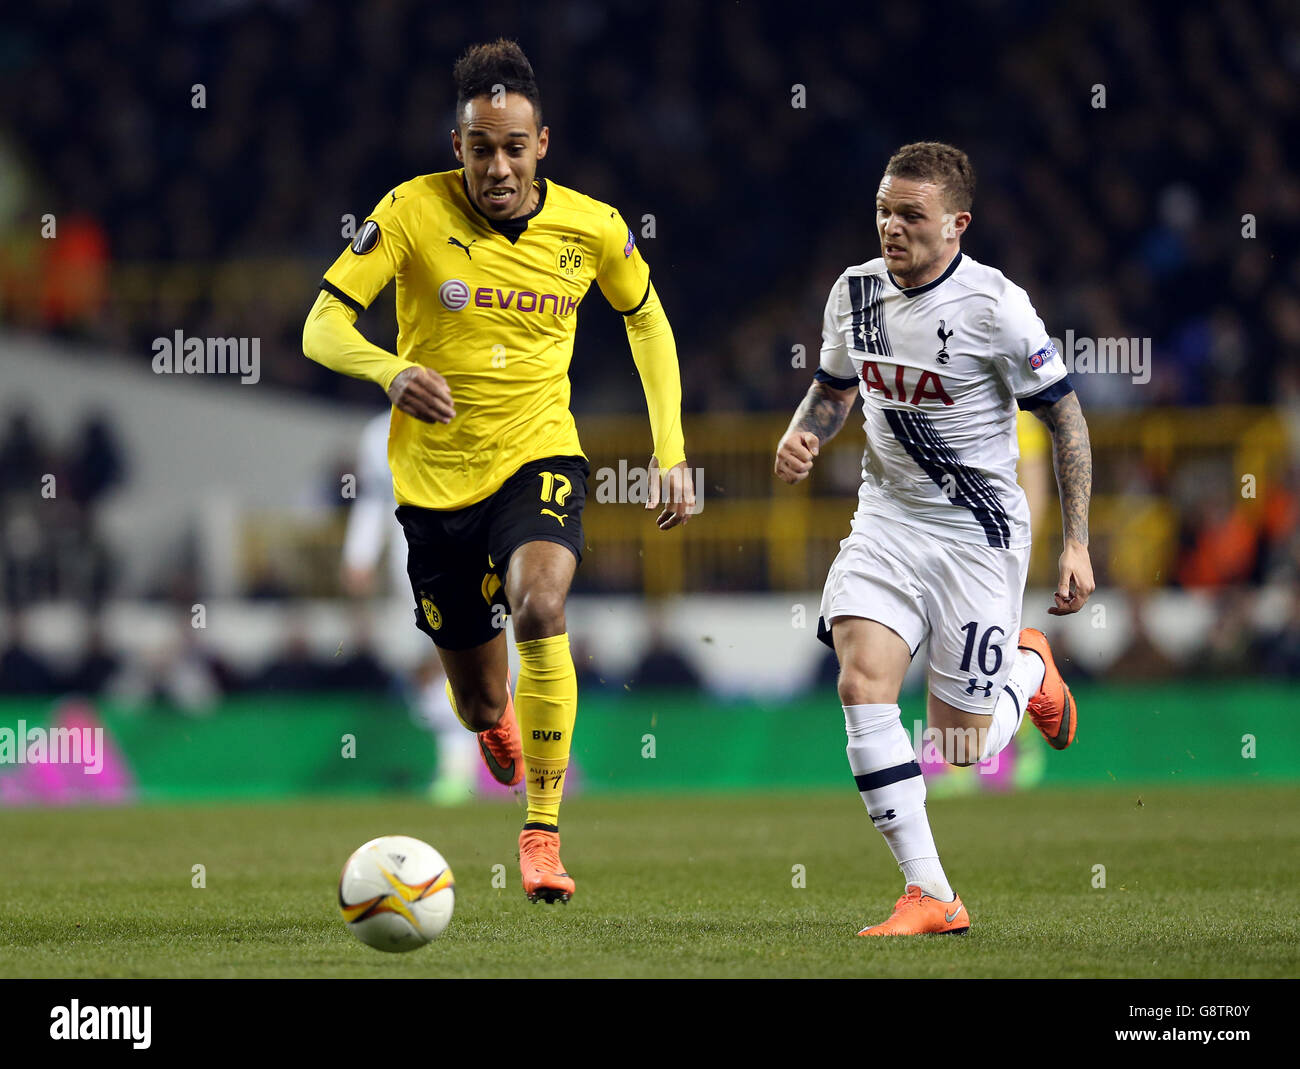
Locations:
(492, 307)
(1032, 436)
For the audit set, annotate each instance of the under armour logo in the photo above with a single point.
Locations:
(888, 814)
(461, 245)
(971, 687)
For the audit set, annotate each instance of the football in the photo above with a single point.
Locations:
(396, 893)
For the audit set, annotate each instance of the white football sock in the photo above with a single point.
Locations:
(928, 875)
(889, 779)
(1023, 681)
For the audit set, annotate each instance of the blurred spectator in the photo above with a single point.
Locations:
(1221, 546)
(266, 583)
(74, 278)
(664, 665)
(1141, 658)
(295, 667)
(1280, 524)
(590, 677)
(96, 463)
(182, 673)
(96, 666)
(1279, 651)
(355, 666)
(22, 670)
(50, 545)
(24, 458)
(1231, 648)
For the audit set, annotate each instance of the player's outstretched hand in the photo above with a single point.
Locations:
(1076, 583)
(678, 494)
(421, 392)
(795, 455)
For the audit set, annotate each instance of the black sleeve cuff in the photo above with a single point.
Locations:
(641, 304)
(351, 302)
(1053, 393)
(832, 381)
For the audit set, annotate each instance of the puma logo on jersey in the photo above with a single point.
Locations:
(548, 512)
(462, 245)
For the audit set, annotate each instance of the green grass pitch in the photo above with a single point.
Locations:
(1198, 883)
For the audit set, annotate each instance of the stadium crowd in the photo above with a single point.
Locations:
(1139, 176)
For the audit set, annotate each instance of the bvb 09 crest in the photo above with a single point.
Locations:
(569, 260)
(431, 612)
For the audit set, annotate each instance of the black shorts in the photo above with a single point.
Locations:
(457, 559)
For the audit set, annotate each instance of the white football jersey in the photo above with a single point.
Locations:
(940, 368)
(371, 522)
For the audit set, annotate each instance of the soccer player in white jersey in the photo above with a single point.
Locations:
(371, 525)
(941, 350)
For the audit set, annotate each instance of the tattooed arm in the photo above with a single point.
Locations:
(816, 421)
(1072, 459)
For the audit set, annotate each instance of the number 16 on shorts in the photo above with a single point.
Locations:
(987, 660)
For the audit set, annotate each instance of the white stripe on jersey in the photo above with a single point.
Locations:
(939, 368)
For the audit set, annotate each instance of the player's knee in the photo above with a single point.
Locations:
(538, 614)
(863, 688)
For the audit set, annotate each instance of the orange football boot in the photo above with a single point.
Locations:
(917, 913)
(502, 746)
(1052, 708)
(539, 863)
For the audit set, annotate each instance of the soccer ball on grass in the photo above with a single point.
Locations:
(396, 893)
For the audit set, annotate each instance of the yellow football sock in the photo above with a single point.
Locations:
(546, 703)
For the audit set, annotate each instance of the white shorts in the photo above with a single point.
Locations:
(965, 597)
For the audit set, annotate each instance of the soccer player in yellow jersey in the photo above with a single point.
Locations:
(491, 264)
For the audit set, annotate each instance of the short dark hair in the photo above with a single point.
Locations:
(487, 68)
(933, 161)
